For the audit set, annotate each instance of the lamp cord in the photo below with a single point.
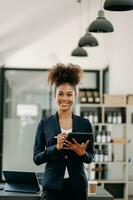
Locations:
(80, 20)
(101, 4)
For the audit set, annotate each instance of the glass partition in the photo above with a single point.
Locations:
(27, 99)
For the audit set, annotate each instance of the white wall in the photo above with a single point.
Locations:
(57, 46)
(121, 62)
(114, 49)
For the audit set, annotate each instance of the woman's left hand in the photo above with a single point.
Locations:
(79, 149)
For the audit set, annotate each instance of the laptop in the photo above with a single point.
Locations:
(18, 181)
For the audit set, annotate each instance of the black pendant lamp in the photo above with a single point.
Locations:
(88, 41)
(118, 5)
(101, 24)
(79, 51)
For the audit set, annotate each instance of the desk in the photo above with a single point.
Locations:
(102, 194)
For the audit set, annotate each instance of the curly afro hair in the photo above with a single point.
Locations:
(61, 73)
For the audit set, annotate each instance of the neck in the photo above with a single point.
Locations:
(64, 114)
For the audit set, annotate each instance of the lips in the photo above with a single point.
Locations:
(64, 104)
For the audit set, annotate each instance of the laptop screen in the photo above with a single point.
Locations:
(22, 178)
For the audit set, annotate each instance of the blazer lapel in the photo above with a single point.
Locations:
(56, 125)
(75, 123)
(52, 127)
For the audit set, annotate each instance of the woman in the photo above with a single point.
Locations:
(64, 176)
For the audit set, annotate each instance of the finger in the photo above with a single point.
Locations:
(66, 148)
(86, 144)
(64, 133)
(60, 142)
(68, 142)
(75, 141)
(67, 145)
(61, 137)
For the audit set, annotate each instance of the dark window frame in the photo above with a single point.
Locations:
(2, 92)
(97, 73)
(105, 71)
(2, 77)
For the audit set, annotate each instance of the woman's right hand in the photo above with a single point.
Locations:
(60, 140)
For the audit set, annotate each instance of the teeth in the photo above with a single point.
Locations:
(64, 104)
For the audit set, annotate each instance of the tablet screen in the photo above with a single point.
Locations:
(80, 137)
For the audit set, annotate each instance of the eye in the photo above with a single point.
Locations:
(69, 94)
(60, 94)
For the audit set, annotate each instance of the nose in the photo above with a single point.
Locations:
(64, 97)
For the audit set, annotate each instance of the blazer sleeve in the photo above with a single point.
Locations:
(89, 155)
(43, 154)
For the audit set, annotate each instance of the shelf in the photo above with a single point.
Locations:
(114, 105)
(115, 124)
(96, 124)
(111, 162)
(102, 105)
(118, 199)
(119, 133)
(89, 105)
(109, 143)
(101, 143)
(112, 181)
(130, 181)
(129, 124)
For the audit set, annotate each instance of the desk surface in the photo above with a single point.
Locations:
(101, 195)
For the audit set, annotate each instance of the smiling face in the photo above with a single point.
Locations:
(65, 95)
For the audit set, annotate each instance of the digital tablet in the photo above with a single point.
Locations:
(80, 137)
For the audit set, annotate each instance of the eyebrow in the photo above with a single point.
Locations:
(61, 92)
(66, 92)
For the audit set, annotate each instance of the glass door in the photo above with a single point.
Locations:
(1, 114)
(27, 99)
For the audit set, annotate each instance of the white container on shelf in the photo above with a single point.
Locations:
(92, 172)
(97, 156)
(109, 117)
(119, 118)
(101, 156)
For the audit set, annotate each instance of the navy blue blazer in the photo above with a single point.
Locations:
(45, 151)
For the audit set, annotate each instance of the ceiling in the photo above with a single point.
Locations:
(23, 22)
